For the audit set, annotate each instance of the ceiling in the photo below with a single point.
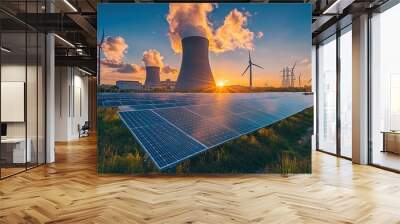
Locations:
(75, 22)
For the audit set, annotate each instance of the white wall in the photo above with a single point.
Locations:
(62, 82)
(80, 109)
(71, 94)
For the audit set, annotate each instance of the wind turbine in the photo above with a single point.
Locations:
(99, 46)
(250, 68)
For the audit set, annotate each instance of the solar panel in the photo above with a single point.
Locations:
(259, 117)
(142, 107)
(165, 105)
(236, 108)
(236, 123)
(165, 144)
(192, 123)
(209, 110)
(129, 102)
(183, 103)
(210, 134)
(111, 103)
(250, 105)
(179, 116)
(140, 118)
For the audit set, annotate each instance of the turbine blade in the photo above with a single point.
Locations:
(258, 66)
(246, 70)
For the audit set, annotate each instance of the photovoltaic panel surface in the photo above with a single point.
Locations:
(236, 123)
(209, 110)
(259, 117)
(165, 144)
(176, 126)
(141, 118)
(200, 128)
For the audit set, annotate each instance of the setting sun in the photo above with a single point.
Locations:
(221, 84)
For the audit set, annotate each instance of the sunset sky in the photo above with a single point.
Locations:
(277, 35)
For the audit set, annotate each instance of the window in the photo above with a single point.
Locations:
(22, 76)
(385, 88)
(346, 92)
(327, 95)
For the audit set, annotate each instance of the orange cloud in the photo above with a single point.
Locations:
(233, 33)
(192, 20)
(168, 70)
(110, 75)
(153, 58)
(260, 34)
(130, 68)
(114, 70)
(114, 49)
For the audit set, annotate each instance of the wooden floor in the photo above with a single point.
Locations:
(8, 171)
(70, 191)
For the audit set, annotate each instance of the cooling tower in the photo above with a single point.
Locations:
(152, 77)
(195, 72)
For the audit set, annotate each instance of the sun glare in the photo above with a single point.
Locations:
(221, 84)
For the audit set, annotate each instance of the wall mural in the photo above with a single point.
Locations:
(204, 88)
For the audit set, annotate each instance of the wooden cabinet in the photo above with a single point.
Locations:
(391, 142)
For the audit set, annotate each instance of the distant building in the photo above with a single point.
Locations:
(127, 85)
(167, 84)
(106, 86)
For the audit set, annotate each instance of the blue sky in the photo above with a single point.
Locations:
(286, 28)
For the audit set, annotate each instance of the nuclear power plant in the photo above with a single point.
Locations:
(195, 72)
(152, 77)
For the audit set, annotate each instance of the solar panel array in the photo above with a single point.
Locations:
(162, 141)
(173, 127)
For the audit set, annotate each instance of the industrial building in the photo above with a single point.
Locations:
(49, 77)
(128, 85)
(167, 84)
